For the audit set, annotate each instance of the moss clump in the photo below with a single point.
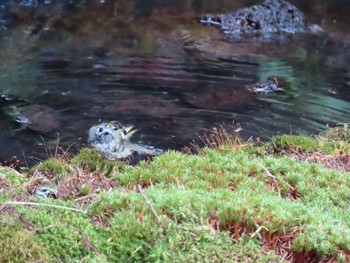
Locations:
(336, 134)
(93, 160)
(295, 143)
(11, 176)
(134, 234)
(307, 144)
(60, 232)
(193, 243)
(55, 167)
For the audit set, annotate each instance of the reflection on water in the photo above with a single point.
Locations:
(152, 65)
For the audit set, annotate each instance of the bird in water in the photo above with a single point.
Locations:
(112, 140)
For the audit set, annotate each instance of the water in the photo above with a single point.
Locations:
(154, 66)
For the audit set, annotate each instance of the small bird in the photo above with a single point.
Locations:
(112, 140)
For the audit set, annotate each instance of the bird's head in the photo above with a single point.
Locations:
(105, 133)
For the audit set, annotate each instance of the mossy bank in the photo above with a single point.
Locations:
(285, 200)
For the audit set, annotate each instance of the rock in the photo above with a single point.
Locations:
(265, 21)
(36, 117)
(223, 98)
(39, 118)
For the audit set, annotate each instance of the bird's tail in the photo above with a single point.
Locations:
(128, 132)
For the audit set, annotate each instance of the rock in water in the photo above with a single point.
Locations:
(263, 20)
(36, 117)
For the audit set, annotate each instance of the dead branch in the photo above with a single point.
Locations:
(42, 204)
(149, 202)
(274, 178)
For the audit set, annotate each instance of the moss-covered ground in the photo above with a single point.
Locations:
(284, 200)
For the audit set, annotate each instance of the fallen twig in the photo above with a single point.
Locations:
(42, 204)
(275, 178)
(88, 243)
(85, 197)
(149, 202)
(47, 227)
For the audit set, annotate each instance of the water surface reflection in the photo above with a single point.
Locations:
(152, 65)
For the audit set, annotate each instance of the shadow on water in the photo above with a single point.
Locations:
(154, 66)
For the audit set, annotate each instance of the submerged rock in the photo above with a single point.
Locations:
(264, 21)
(223, 98)
(36, 117)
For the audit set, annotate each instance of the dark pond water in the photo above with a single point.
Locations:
(151, 64)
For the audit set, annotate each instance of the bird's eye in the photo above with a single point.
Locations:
(100, 129)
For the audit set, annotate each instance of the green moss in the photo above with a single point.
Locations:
(193, 243)
(60, 232)
(307, 144)
(131, 239)
(172, 220)
(54, 166)
(11, 176)
(295, 143)
(336, 134)
(106, 204)
(17, 243)
(135, 235)
(94, 161)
